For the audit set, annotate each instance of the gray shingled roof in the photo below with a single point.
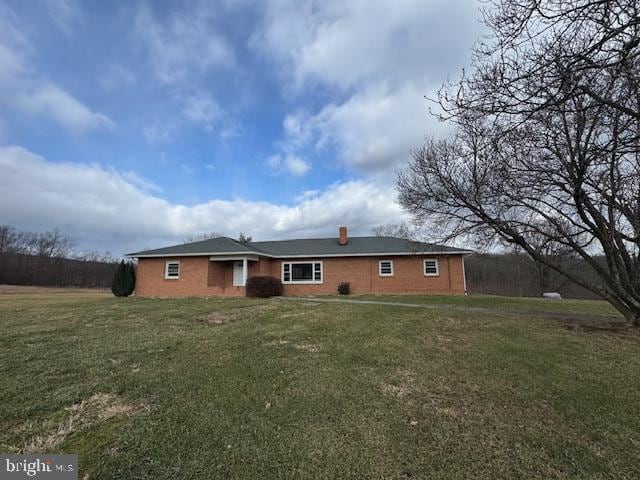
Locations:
(311, 247)
(356, 246)
(218, 245)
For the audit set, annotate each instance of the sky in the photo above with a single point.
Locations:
(132, 125)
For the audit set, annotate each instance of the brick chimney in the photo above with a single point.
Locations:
(343, 240)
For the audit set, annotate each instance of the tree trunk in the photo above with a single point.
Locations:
(633, 318)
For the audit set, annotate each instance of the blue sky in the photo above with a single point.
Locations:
(135, 124)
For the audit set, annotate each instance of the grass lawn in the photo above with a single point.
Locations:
(240, 388)
(516, 304)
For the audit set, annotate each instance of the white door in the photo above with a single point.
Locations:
(237, 274)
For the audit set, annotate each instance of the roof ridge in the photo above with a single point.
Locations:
(245, 245)
(329, 238)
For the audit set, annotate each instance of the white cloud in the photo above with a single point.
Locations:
(307, 194)
(185, 49)
(116, 75)
(22, 88)
(297, 129)
(65, 13)
(12, 33)
(160, 133)
(103, 208)
(202, 109)
(372, 130)
(199, 109)
(48, 99)
(184, 45)
(296, 165)
(293, 164)
(12, 64)
(188, 169)
(140, 182)
(231, 127)
(344, 44)
(377, 60)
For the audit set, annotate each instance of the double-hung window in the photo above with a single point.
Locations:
(385, 268)
(172, 270)
(302, 272)
(431, 267)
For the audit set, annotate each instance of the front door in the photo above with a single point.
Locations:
(237, 273)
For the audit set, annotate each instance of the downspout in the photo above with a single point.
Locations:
(464, 277)
(245, 272)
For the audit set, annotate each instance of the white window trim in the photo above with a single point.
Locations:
(302, 282)
(424, 267)
(380, 268)
(166, 269)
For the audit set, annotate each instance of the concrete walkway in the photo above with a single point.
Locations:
(461, 308)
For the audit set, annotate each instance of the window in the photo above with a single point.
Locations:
(286, 272)
(385, 268)
(431, 267)
(302, 272)
(172, 270)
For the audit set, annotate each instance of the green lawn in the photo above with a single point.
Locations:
(261, 389)
(516, 304)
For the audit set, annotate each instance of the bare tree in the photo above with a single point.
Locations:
(543, 53)
(51, 244)
(544, 278)
(9, 239)
(242, 238)
(398, 230)
(202, 236)
(546, 152)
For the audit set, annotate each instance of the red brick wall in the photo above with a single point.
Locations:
(198, 277)
(362, 274)
(201, 277)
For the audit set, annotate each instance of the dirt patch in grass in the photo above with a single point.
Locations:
(308, 347)
(214, 319)
(400, 385)
(303, 347)
(99, 408)
(601, 326)
(449, 343)
(293, 315)
(220, 318)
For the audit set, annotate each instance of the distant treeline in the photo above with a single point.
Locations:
(47, 259)
(516, 275)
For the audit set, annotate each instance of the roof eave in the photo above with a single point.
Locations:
(197, 254)
(322, 255)
(375, 254)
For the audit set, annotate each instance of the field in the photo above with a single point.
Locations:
(242, 388)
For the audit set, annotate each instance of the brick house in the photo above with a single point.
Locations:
(221, 266)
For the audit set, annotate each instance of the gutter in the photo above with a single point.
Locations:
(327, 255)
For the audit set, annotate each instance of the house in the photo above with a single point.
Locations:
(221, 266)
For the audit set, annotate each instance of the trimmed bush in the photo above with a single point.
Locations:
(124, 281)
(344, 288)
(264, 287)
